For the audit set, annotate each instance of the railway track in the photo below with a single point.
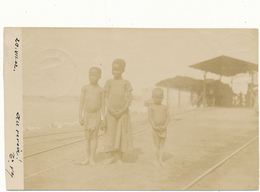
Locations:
(100, 149)
(63, 132)
(135, 124)
(71, 160)
(51, 134)
(67, 144)
(187, 187)
(77, 131)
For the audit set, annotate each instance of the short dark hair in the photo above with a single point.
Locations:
(96, 69)
(158, 90)
(120, 62)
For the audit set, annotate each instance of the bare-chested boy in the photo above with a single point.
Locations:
(90, 109)
(159, 118)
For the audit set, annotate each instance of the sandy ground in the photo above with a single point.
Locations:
(196, 141)
(239, 171)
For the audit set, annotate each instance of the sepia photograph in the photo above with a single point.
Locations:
(139, 108)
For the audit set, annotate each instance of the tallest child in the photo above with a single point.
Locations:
(118, 96)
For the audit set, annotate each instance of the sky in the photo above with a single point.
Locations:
(56, 60)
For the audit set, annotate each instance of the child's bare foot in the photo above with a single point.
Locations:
(157, 164)
(85, 161)
(162, 163)
(92, 163)
(110, 160)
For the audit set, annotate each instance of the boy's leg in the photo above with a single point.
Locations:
(94, 143)
(88, 150)
(156, 140)
(162, 141)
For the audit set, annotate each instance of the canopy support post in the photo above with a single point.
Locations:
(168, 96)
(204, 89)
(191, 98)
(179, 98)
(251, 89)
(231, 83)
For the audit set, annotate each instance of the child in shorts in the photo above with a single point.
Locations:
(159, 118)
(90, 109)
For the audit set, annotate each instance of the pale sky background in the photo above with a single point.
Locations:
(56, 61)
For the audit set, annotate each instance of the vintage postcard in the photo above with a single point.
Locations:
(131, 109)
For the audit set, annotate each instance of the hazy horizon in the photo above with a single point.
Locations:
(56, 60)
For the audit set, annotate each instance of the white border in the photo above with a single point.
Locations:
(121, 13)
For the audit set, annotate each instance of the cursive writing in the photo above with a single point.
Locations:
(16, 46)
(15, 155)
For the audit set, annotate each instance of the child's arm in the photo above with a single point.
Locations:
(103, 104)
(106, 98)
(167, 120)
(81, 105)
(128, 102)
(150, 118)
(109, 108)
(103, 110)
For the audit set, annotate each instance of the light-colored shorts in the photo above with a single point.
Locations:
(92, 120)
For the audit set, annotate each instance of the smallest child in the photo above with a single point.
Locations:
(159, 118)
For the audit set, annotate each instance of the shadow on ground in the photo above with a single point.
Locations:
(129, 157)
(167, 156)
(132, 157)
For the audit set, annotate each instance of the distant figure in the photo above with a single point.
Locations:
(90, 109)
(118, 97)
(241, 99)
(159, 118)
(256, 100)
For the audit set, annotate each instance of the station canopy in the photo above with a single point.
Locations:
(226, 66)
(194, 85)
(183, 83)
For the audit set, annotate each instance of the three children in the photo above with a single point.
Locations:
(117, 97)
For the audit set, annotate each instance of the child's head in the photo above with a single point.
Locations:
(157, 95)
(94, 75)
(118, 67)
